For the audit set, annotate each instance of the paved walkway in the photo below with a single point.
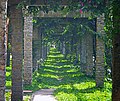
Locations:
(43, 95)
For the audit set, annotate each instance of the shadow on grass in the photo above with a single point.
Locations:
(62, 75)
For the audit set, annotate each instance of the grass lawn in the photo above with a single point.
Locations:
(69, 82)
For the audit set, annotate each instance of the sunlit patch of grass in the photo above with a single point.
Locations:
(7, 96)
(8, 74)
(62, 96)
(26, 98)
(8, 77)
(8, 84)
(84, 85)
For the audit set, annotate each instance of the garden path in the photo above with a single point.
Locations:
(43, 95)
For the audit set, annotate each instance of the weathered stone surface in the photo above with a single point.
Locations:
(17, 53)
(63, 48)
(3, 48)
(37, 47)
(43, 52)
(100, 72)
(89, 52)
(36, 53)
(28, 29)
(2, 93)
(83, 53)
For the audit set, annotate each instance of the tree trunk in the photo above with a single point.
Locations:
(17, 53)
(116, 52)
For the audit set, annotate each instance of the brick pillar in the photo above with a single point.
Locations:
(60, 46)
(89, 53)
(39, 46)
(83, 53)
(77, 52)
(116, 51)
(17, 53)
(63, 47)
(36, 48)
(3, 49)
(28, 29)
(100, 72)
(46, 50)
(42, 50)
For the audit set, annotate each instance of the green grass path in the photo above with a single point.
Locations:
(70, 84)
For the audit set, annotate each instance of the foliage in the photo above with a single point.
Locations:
(96, 7)
(8, 77)
(7, 96)
(64, 29)
(69, 82)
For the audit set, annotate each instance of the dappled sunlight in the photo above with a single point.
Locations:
(67, 80)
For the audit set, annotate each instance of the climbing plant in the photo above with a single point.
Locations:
(111, 10)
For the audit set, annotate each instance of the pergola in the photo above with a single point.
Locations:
(20, 29)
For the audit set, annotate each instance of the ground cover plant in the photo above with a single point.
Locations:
(8, 82)
(67, 80)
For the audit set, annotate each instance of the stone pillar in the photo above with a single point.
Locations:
(46, 50)
(36, 48)
(89, 53)
(28, 29)
(42, 51)
(17, 53)
(3, 49)
(100, 71)
(78, 51)
(63, 48)
(83, 53)
(39, 46)
(58, 45)
(116, 52)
